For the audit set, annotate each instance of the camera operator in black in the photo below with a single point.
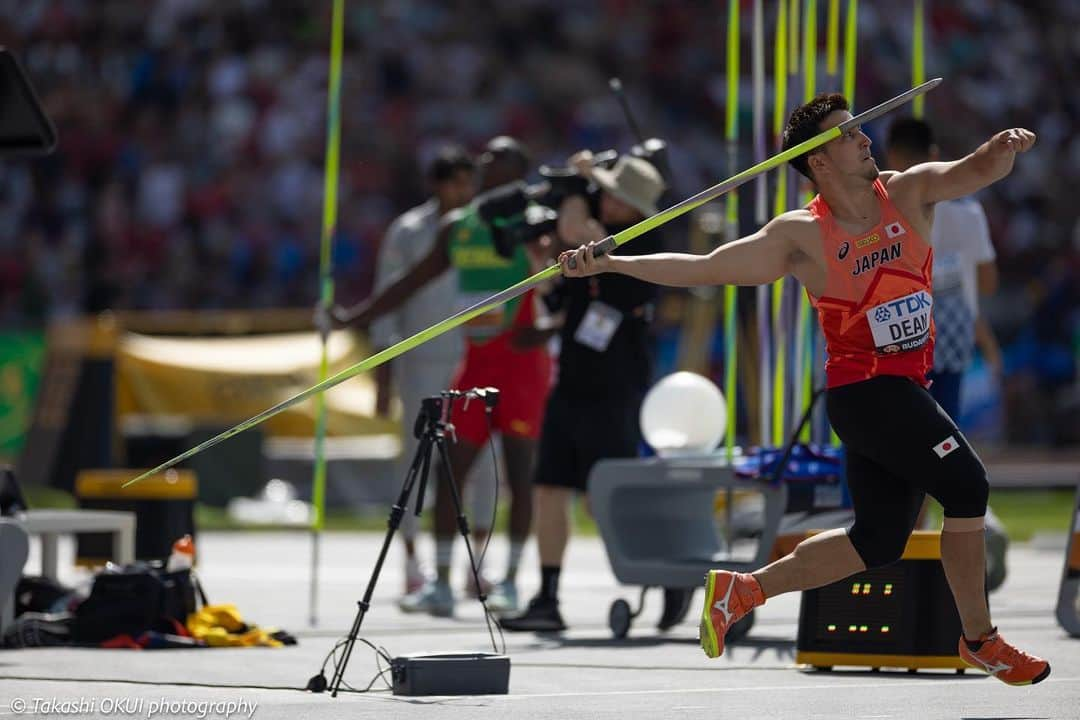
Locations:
(604, 364)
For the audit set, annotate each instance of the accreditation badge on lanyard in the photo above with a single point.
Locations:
(598, 326)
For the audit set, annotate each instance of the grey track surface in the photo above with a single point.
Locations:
(583, 673)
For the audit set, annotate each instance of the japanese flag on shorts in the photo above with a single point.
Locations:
(946, 446)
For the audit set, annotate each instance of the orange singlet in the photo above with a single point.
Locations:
(876, 308)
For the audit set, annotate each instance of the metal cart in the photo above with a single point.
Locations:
(658, 522)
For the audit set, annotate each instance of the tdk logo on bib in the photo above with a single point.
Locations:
(902, 324)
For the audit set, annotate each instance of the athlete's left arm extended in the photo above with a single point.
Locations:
(993, 160)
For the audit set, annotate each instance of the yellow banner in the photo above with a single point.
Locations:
(226, 379)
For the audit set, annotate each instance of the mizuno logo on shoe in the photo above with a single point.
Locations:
(993, 668)
(722, 605)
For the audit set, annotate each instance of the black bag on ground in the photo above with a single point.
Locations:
(39, 594)
(133, 600)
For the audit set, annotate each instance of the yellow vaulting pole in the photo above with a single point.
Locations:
(806, 326)
(851, 47)
(918, 55)
(731, 132)
(761, 216)
(793, 36)
(851, 41)
(780, 73)
(326, 288)
(832, 41)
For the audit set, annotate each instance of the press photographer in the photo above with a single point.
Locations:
(604, 360)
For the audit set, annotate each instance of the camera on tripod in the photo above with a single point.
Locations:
(435, 410)
(443, 674)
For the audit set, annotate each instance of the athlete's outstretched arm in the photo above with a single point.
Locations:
(993, 160)
(435, 263)
(753, 260)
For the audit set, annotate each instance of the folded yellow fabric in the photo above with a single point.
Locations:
(222, 626)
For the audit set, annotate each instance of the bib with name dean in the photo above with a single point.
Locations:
(901, 324)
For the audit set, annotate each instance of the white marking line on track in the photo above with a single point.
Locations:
(767, 688)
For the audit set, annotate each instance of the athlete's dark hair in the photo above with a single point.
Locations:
(805, 123)
(448, 162)
(912, 136)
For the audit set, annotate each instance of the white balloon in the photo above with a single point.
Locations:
(683, 414)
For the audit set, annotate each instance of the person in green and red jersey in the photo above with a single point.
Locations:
(503, 350)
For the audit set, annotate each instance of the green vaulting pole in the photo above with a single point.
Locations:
(761, 216)
(793, 36)
(731, 132)
(779, 206)
(807, 326)
(851, 46)
(918, 54)
(326, 287)
(605, 246)
(832, 41)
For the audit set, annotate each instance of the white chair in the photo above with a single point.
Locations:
(51, 524)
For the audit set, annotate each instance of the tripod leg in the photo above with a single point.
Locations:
(420, 463)
(462, 521)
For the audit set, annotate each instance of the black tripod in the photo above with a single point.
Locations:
(431, 426)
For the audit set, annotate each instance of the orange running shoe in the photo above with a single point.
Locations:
(728, 597)
(1003, 661)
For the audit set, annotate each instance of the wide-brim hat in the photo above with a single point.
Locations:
(634, 181)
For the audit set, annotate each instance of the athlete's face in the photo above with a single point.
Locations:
(456, 190)
(846, 156)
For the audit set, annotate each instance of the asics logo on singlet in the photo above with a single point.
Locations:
(877, 257)
(843, 250)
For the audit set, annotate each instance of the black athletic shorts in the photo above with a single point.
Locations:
(900, 445)
(578, 430)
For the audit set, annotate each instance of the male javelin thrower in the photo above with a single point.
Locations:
(861, 250)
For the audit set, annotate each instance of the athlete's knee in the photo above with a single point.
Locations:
(965, 494)
(880, 545)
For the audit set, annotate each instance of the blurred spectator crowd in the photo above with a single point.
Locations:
(189, 173)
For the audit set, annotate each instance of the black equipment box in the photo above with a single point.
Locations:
(451, 674)
(164, 507)
(900, 616)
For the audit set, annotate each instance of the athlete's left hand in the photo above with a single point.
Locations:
(1016, 140)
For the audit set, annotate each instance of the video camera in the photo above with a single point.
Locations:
(519, 213)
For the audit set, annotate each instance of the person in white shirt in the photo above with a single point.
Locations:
(428, 368)
(964, 270)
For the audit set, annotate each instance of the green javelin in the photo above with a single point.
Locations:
(605, 246)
